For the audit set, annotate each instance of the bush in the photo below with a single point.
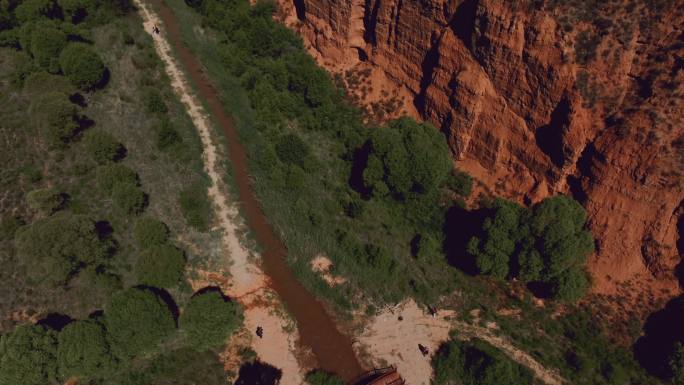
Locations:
(57, 116)
(55, 247)
(31, 10)
(46, 44)
(28, 356)
(160, 266)
(209, 319)
(129, 198)
(150, 232)
(76, 10)
(82, 66)
(46, 200)
(196, 207)
(83, 351)
(137, 321)
(167, 135)
(154, 102)
(320, 377)
(476, 363)
(102, 146)
(292, 150)
(112, 175)
(461, 183)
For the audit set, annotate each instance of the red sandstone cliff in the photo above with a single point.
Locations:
(539, 98)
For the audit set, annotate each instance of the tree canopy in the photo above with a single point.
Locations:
(150, 231)
(137, 320)
(28, 356)
(82, 66)
(209, 319)
(102, 146)
(55, 247)
(547, 243)
(160, 266)
(406, 157)
(57, 116)
(83, 350)
(320, 377)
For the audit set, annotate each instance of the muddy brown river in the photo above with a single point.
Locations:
(332, 349)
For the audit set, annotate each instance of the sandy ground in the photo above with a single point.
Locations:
(322, 266)
(248, 283)
(391, 341)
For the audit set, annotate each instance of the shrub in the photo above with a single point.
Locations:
(75, 10)
(55, 247)
(46, 44)
(57, 116)
(82, 66)
(476, 363)
(46, 200)
(129, 198)
(154, 102)
(460, 182)
(209, 319)
(137, 321)
(195, 206)
(112, 175)
(102, 146)
(160, 266)
(149, 231)
(291, 149)
(28, 356)
(83, 351)
(167, 135)
(320, 377)
(31, 10)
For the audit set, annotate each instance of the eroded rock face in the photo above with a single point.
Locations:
(538, 98)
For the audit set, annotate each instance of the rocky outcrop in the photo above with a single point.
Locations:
(538, 98)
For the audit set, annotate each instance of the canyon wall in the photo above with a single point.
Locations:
(539, 98)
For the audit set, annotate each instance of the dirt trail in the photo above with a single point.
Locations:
(392, 340)
(248, 283)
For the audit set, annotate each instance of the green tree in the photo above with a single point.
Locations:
(82, 66)
(31, 10)
(291, 149)
(571, 285)
(501, 232)
(209, 319)
(102, 146)
(321, 377)
(57, 116)
(160, 265)
(112, 175)
(45, 200)
(128, 198)
(83, 351)
(46, 43)
(28, 356)
(460, 182)
(55, 247)
(137, 321)
(414, 157)
(150, 231)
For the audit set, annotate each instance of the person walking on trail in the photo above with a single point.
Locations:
(260, 332)
(155, 29)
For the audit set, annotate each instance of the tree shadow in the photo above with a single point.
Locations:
(164, 296)
(212, 289)
(106, 75)
(662, 330)
(460, 225)
(360, 161)
(258, 373)
(78, 99)
(55, 321)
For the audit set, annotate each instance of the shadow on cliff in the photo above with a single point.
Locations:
(662, 330)
(460, 225)
(679, 270)
(549, 137)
